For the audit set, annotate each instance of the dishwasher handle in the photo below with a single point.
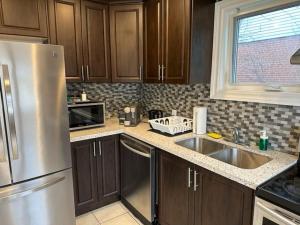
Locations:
(135, 150)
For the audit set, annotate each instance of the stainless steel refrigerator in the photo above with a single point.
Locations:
(35, 163)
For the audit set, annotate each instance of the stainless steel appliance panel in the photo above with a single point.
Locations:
(35, 106)
(43, 201)
(86, 115)
(5, 177)
(138, 176)
(266, 213)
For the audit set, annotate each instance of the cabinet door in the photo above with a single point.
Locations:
(221, 201)
(108, 169)
(24, 17)
(95, 34)
(175, 197)
(84, 175)
(65, 30)
(152, 51)
(176, 40)
(126, 33)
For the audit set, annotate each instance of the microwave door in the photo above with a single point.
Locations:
(5, 177)
(35, 105)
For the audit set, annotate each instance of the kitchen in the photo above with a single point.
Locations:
(127, 112)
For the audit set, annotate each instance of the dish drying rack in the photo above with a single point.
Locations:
(172, 124)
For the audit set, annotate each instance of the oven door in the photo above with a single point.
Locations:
(89, 115)
(266, 213)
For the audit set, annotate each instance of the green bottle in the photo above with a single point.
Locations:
(263, 141)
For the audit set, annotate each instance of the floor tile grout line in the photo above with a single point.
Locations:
(111, 218)
(96, 218)
(135, 219)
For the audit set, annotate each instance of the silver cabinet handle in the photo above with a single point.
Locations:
(32, 190)
(195, 180)
(135, 150)
(10, 120)
(141, 72)
(163, 73)
(159, 70)
(189, 177)
(275, 214)
(94, 148)
(82, 73)
(87, 72)
(100, 148)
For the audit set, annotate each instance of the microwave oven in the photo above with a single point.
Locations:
(86, 115)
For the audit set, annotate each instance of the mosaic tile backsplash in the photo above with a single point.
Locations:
(116, 96)
(281, 122)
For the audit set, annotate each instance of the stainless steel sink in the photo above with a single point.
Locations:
(240, 158)
(233, 156)
(201, 145)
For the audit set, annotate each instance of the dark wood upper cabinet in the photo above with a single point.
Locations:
(26, 17)
(126, 34)
(108, 166)
(183, 32)
(152, 38)
(175, 40)
(84, 174)
(191, 195)
(175, 197)
(65, 30)
(95, 35)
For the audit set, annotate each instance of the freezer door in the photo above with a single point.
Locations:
(35, 106)
(5, 177)
(44, 201)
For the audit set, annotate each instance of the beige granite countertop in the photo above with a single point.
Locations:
(248, 177)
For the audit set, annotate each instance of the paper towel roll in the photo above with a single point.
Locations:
(199, 120)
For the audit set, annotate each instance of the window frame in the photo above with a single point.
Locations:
(226, 14)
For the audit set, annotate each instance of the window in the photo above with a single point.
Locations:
(253, 44)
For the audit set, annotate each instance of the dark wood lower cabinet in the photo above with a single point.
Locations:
(175, 197)
(190, 195)
(84, 176)
(108, 166)
(95, 173)
(220, 201)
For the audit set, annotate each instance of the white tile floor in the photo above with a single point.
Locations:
(114, 214)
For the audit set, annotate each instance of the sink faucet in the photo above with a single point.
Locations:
(236, 135)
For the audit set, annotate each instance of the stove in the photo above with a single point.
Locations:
(283, 190)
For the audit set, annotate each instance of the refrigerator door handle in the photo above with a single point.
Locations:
(10, 121)
(3, 146)
(22, 194)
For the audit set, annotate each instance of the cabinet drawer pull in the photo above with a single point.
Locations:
(100, 148)
(163, 73)
(94, 148)
(189, 177)
(82, 73)
(159, 70)
(88, 72)
(195, 180)
(141, 73)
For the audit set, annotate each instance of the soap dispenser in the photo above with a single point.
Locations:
(263, 141)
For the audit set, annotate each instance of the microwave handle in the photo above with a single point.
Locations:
(275, 214)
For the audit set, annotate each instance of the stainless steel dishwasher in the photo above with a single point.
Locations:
(138, 178)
